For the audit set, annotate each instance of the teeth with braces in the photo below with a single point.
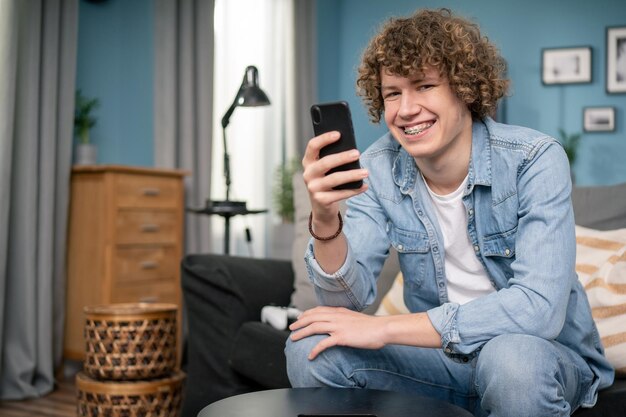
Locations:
(416, 130)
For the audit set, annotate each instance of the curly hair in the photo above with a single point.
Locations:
(434, 38)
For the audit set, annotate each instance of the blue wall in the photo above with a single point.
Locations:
(115, 64)
(116, 55)
(521, 30)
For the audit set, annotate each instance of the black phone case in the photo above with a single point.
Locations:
(327, 117)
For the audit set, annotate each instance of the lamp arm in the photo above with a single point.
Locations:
(229, 112)
(226, 163)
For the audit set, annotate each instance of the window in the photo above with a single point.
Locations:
(260, 33)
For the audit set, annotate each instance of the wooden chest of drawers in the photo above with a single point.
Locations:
(125, 241)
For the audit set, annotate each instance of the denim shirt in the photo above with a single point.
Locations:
(520, 223)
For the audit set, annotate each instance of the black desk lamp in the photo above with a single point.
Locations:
(249, 95)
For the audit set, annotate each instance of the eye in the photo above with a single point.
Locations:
(391, 95)
(424, 87)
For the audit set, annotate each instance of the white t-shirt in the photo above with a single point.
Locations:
(465, 274)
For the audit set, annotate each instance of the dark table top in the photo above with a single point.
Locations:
(330, 402)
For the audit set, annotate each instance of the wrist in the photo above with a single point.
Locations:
(324, 230)
(411, 329)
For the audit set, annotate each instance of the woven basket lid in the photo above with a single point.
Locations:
(86, 383)
(129, 309)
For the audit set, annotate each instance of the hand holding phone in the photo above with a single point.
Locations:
(328, 117)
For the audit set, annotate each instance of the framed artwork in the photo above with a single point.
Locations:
(616, 59)
(599, 119)
(566, 65)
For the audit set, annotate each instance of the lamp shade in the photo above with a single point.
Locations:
(249, 94)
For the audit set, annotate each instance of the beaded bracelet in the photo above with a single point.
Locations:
(324, 239)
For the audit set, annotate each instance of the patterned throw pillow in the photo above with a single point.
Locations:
(601, 268)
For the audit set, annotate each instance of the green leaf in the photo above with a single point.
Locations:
(282, 191)
(570, 143)
(83, 117)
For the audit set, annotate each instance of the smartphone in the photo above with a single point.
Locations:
(327, 117)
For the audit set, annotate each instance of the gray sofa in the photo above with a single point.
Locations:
(229, 351)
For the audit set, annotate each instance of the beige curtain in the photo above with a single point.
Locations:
(37, 73)
(306, 69)
(183, 95)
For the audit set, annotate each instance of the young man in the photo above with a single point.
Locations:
(480, 215)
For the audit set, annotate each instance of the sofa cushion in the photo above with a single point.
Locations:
(303, 296)
(600, 207)
(220, 294)
(265, 366)
(601, 268)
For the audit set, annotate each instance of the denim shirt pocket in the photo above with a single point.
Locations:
(413, 253)
(499, 248)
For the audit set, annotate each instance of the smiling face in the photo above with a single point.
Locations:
(425, 116)
(438, 38)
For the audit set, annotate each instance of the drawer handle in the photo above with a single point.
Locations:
(149, 228)
(151, 191)
(149, 265)
(149, 299)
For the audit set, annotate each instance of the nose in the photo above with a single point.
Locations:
(409, 106)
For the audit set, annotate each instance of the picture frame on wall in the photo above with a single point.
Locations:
(599, 119)
(570, 65)
(616, 60)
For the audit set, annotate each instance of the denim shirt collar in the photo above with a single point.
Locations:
(405, 170)
(480, 162)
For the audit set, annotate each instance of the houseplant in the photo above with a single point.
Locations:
(282, 192)
(84, 120)
(282, 196)
(570, 143)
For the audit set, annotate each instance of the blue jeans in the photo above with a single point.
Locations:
(514, 375)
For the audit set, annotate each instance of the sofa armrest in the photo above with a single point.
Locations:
(266, 365)
(221, 293)
(254, 282)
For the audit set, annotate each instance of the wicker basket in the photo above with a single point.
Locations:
(130, 341)
(155, 398)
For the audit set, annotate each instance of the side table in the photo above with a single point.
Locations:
(226, 209)
(331, 402)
